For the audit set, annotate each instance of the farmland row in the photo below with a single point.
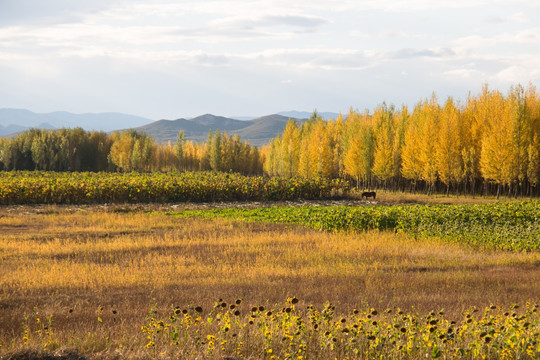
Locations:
(507, 226)
(27, 187)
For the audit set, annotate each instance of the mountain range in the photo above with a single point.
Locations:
(257, 131)
(16, 120)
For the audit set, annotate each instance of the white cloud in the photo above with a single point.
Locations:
(526, 36)
(329, 48)
(387, 34)
(465, 73)
(514, 18)
(415, 53)
(414, 5)
(393, 33)
(517, 74)
(300, 21)
(359, 34)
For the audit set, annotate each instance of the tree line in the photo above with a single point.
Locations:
(488, 144)
(129, 150)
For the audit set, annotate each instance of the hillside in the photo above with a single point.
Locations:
(258, 131)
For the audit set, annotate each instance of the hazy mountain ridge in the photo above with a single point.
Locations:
(17, 120)
(257, 131)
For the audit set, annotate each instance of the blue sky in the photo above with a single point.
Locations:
(170, 59)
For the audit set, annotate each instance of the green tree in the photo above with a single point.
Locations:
(215, 155)
(40, 154)
(179, 148)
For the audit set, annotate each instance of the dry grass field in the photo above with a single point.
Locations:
(96, 271)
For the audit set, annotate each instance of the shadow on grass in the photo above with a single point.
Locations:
(36, 355)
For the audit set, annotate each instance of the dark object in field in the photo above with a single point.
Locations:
(369, 194)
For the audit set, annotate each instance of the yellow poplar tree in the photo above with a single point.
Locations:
(335, 131)
(471, 129)
(359, 150)
(383, 163)
(290, 148)
(411, 167)
(352, 160)
(121, 150)
(306, 165)
(320, 149)
(520, 121)
(428, 135)
(533, 161)
(273, 157)
(496, 156)
(448, 149)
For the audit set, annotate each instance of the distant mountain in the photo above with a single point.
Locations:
(306, 115)
(10, 129)
(219, 122)
(264, 128)
(258, 131)
(16, 120)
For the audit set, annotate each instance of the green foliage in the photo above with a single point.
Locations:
(509, 226)
(179, 148)
(215, 156)
(128, 150)
(87, 188)
(58, 150)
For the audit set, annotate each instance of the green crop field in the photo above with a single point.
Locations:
(508, 226)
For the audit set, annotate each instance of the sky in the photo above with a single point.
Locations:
(169, 59)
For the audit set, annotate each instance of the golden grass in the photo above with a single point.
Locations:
(80, 258)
